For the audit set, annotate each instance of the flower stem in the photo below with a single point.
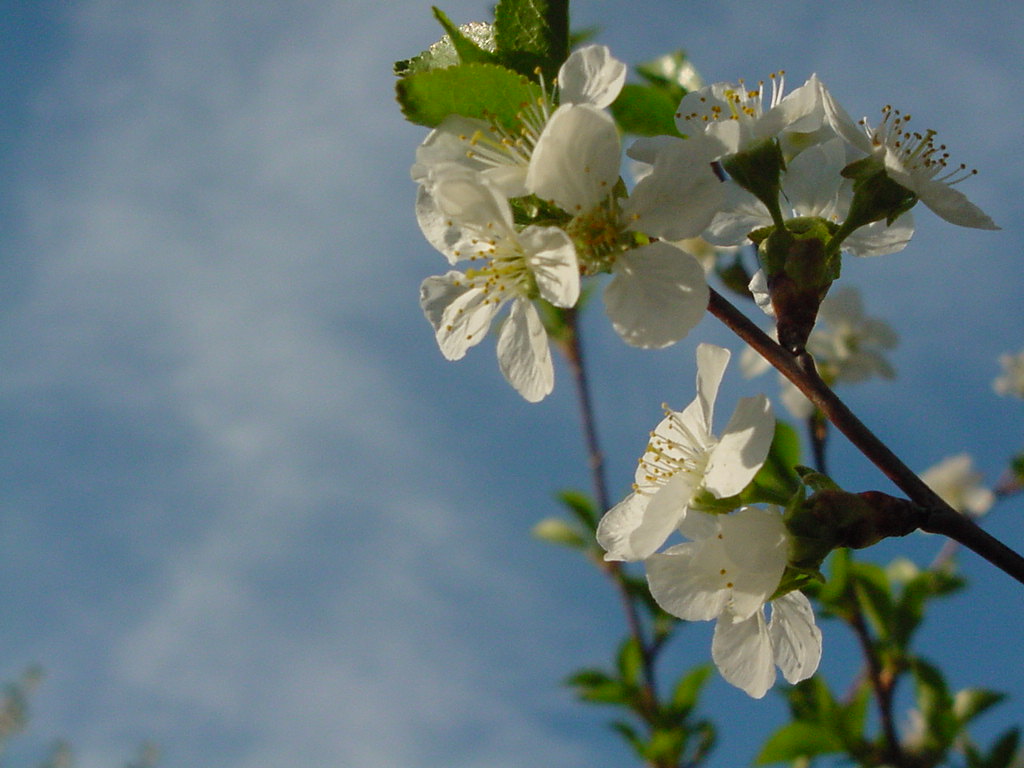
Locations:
(939, 517)
(572, 348)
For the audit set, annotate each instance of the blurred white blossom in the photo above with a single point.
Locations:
(959, 485)
(1012, 380)
(847, 345)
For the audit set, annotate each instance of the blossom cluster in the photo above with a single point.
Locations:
(732, 567)
(526, 210)
(523, 213)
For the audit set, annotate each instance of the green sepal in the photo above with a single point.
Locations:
(483, 91)
(757, 169)
(875, 196)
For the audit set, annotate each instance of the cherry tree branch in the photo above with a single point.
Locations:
(936, 516)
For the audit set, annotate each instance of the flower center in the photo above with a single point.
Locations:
(741, 103)
(917, 152)
(506, 271)
(599, 236)
(673, 448)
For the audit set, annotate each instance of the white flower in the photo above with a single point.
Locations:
(739, 117)
(914, 161)
(658, 292)
(847, 345)
(508, 266)
(683, 459)
(1012, 380)
(814, 187)
(729, 571)
(591, 75)
(957, 484)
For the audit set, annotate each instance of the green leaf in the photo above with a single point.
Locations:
(628, 732)
(630, 662)
(644, 110)
(469, 52)
(554, 530)
(871, 586)
(581, 506)
(935, 704)
(596, 686)
(665, 746)
(687, 691)
(532, 33)
(1004, 750)
(971, 702)
(443, 54)
(799, 739)
(483, 91)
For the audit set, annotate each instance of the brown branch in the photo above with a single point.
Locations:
(939, 516)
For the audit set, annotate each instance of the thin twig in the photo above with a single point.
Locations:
(572, 348)
(939, 517)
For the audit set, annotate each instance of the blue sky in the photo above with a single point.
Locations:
(250, 514)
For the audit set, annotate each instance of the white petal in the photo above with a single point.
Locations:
(436, 226)
(617, 526)
(471, 200)
(646, 149)
(591, 75)
(682, 588)
(698, 526)
(576, 159)
(657, 295)
(755, 550)
(551, 257)
(447, 144)
(638, 525)
(711, 362)
(743, 653)
(523, 353)
(742, 448)
(681, 195)
(879, 239)
(800, 111)
(812, 179)
(952, 205)
(437, 292)
(796, 641)
(464, 321)
(741, 214)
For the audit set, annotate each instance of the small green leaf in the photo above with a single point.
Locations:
(556, 531)
(581, 506)
(971, 702)
(630, 662)
(799, 739)
(628, 732)
(1004, 750)
(532, 33)
(935, 704)
(471, 90)
(469, 52)
(687, 691)
(644, 110)
(443, 54)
